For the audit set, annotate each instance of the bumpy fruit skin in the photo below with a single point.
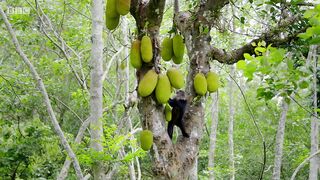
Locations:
(112, 23)
(135, 56)
(146, 49)
(111, 9)
(168, 112)
(166, 49)
(212, 82)
(123, 6)
(148, 83)
(200, 84)
(177, 60)
(163, 89)
(176, 78)
(146, 139)
(178, 45)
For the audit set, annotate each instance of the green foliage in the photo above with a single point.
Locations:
(312, 33)
(112, 143)
(277, 69)
(29, 150)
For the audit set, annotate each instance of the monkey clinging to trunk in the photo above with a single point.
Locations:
(178, 104)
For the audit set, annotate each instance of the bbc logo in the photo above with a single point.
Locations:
(18, 10)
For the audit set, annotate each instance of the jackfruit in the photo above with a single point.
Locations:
(146, 49)
(146, 140)
(177, 60)
(112, 23)
(123, 6)
(212, 82)
(168, 112)
(163, 89)
(178, 45)
(176, 78)
(200, 84)
(135, 56)
(111, 9)
(148, 83)
(166, 49)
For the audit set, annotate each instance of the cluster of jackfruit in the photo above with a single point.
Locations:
(173, 49)
(114, 9)
(202, 83)
(161, 84)
(146, 140)
(141, 51)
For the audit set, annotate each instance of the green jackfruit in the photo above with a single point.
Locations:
(168, 112)
(146, 49)
(212, 82)
(111, 9)
(176, 78)
(177, 60)
(178, 45)
(135, 56)
(200, 84)
(112, 23)
(148, 83)
(166, 49)
(163, 89)
(146, 140)
(123, 6)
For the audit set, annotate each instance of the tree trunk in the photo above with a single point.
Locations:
(231, 121)
(96, 99)
(213, 134)
(279, 141)
(314, 162)
(194, 171)
(125, 33)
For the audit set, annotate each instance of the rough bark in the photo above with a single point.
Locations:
(96, 99)
(44, 93)
(314, 134)
(279, 141)
(231, 122)
(213, 134)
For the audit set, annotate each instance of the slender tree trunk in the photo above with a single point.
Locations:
(213, 134)
(314, 162)
(279, 141)
(125, 33)
(44, 93)
(231, 122)
(96, 99)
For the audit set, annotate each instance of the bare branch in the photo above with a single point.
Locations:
(302, 164)
(44, 93)
(270, 37)
(65, 169)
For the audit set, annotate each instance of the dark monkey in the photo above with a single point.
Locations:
(178, 104)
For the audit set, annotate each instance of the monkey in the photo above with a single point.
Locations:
(178, 104)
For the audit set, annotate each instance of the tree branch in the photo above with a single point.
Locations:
(270, 37)
(212, 5)
(65, 169)
(302, 164)
(44, 93)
